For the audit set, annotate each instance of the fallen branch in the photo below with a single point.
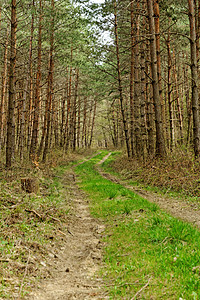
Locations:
(55, 219)
(64, 233)
(144, 287)
(61, 232)
(33, 211)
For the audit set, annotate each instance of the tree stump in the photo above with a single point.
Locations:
(30, 185)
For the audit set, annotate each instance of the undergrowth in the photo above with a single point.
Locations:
(32, 226)
(149, 254)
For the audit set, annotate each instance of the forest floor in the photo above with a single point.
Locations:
(66, 260)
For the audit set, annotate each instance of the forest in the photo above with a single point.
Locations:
(76, 75)
(99, 149)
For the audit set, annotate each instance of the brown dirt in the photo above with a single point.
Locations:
(75, 270)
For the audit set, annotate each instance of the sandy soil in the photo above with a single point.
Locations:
(75, 275)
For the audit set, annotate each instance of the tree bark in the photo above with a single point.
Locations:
(120, 83)
(131, 81)
(160, 143)
(3, 91)
(75, 111)
(30, 80)
(50, 83)
(93, 121)
(194, 73)
(12, 82)
(34, 140)
(169, 88)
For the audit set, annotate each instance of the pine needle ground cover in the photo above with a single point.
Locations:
(149, 254)
(178, 172)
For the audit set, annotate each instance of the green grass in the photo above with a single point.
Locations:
(143, 243)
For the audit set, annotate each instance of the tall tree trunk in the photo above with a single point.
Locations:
(137, 129)
(34, 140)
(11, 99)
(180, 117)
(160, 143)
(143, 100)
(120, 83)
(3, 91)
(75, 110)
(30, 80)
(156, 10)
(150, 116)
(194, 73)
(50, 82)
(63, 104)
(115, 129)
(55, 105)
(69, 106)
(132, 80)
(169, 87)
(23, 116)
(89, 123)
(149, 105)
(79, 121)
(44, 128)
(93, 120)
(83, 138)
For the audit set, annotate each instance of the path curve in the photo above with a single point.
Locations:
(180, 209)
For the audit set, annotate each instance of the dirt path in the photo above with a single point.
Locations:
(74, 271)
(183, 210)
(74, 276)
(104, 158)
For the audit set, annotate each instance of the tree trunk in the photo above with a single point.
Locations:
(120, 83)
(143, 100)
(83, 138)
(180, 117)
(11, 99)
(64, 96)
(75, 110)
(69, 107)
(50, 83)
(169, 88)
(156, 10)
(137, 129)
(79, 121)
(3, 91)
(93, 120)
(34, 140)
(23, 116)
(160, 143)
(194, 73)
(131, 81)
(31, 80)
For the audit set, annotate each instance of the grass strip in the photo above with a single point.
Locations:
(149, 254)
